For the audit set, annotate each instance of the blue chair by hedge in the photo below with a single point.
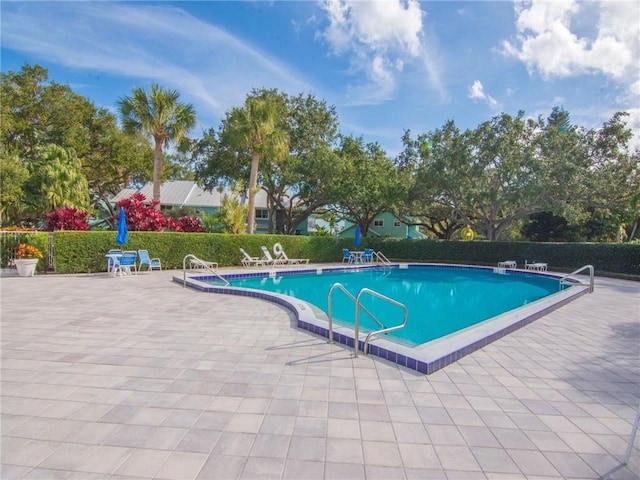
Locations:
(127, 264)
(150, 263)
(347, 256)
(367, 255)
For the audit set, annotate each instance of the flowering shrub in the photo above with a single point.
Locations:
(143, 217)
(67, 219)
(17, 228)
(185, 224)
(28, 251)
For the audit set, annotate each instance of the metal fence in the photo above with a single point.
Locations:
(9, 241)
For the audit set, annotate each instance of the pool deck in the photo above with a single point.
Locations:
(130, 378)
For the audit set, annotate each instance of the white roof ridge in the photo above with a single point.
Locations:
(188, 195)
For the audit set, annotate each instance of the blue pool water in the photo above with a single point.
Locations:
(441, 300)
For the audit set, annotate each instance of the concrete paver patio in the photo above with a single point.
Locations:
(130, 378)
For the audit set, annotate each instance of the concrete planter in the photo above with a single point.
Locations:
(26, 266)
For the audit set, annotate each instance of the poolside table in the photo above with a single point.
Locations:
(116, 268)
(357, 256)
(113, 262)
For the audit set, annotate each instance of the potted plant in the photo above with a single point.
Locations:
(26, 259)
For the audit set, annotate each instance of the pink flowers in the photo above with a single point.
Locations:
(143, 217)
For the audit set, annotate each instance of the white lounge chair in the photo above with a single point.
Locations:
(198, 263)
(536, 266)
(278, 251)
(249, 261)
(269, 260)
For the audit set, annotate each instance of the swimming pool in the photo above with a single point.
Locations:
(423, 357)
(440, 300)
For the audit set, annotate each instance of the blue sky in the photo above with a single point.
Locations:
(387, 66)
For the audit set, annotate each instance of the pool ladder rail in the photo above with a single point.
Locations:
(568, 280)
(381, 258)
(359, 307)
(205, 265)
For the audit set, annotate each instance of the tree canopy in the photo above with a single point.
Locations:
(510, 177)
(38, 113)
(507, 169)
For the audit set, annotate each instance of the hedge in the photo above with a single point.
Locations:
(609, 258)
(84, 251)
(76, 252)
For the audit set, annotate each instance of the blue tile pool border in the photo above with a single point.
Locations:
(426, 358)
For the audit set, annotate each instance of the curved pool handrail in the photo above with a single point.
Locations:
(565, 280)
(203, 264)
(353, 298)
(373, 293)
(381, 258)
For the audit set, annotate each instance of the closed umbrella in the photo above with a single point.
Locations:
(121, 238)
(356, 241)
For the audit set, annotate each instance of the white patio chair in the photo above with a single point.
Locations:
(269, 260)
(249, 261)
(280, 254)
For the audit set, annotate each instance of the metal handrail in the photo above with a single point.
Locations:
(353, 298)
(380, 257)
(373, 293)
(564, 281)
(203, 264)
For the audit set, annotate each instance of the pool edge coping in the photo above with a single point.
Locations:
(425, 358)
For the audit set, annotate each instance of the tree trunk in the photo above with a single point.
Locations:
(634, 229)
(253, 183)
(157, 169)
(364, 230)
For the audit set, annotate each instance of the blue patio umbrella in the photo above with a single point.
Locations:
(121, 238)
(356, 241)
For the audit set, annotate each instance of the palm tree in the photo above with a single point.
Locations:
(158, 115)
(257, 127)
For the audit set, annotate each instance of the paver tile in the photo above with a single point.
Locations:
(222, 466)
(113, 392)
(182, 466)
(143, 463)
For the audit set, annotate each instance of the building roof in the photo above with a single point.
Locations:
(186, 193)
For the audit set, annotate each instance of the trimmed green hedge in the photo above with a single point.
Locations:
(615, 258)
(83, 252)
(77, 252)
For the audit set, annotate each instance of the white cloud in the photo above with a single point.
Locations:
(381, 38)
(476, 92)
(210, 67)
(546, 42)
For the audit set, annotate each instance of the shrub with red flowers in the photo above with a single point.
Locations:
(67, 219)
(185, 224)
(140, 216)
(144, 217)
